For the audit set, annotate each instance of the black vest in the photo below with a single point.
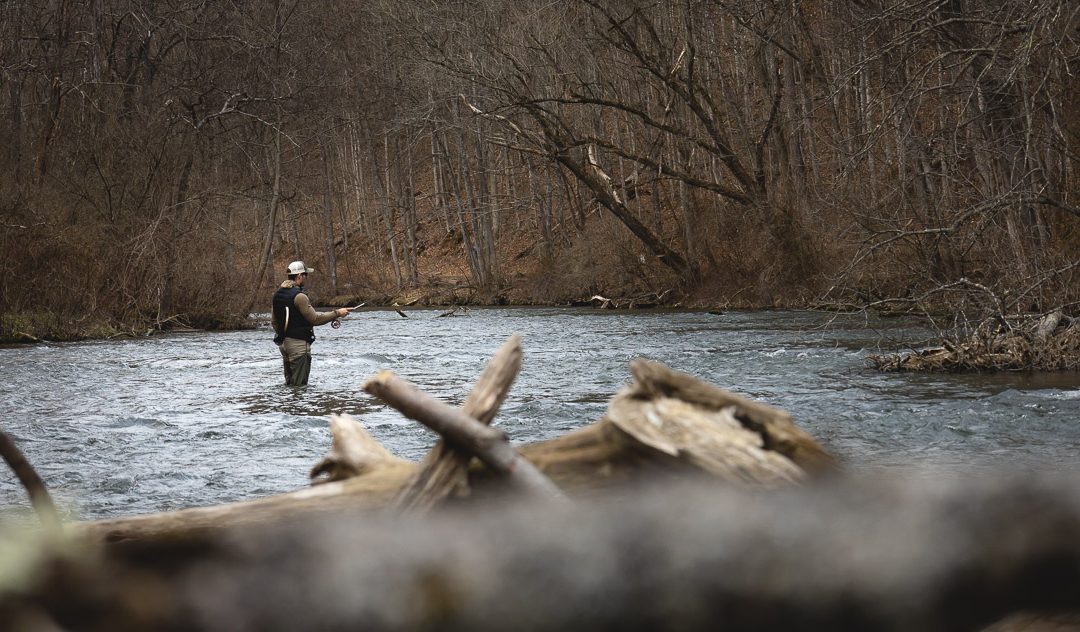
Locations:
(298, 326)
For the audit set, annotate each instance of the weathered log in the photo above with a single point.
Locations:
(600, 301)
(445, 468)
(925, 553)
(353, 452)
(25, 337)
(665, 425)
(774, 429)
(488, 444)
(1047, 324)
(372, 492)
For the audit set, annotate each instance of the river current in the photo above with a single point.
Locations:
(124, 427)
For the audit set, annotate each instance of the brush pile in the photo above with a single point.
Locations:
(1049, 343)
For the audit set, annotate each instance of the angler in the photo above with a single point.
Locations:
(294, 322)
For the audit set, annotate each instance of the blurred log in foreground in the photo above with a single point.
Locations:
(927, 553)
(664, 426)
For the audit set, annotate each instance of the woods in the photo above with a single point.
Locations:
(163, 159)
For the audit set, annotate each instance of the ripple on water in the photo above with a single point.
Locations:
(374, 358)
(305, 403)
(117, 484)
(149, 423)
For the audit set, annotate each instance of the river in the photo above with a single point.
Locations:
(123, 427)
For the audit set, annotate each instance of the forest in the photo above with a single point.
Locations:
(163, 161)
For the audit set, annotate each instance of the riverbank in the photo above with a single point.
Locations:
(1022, 346)
(41, 326)
(436, 291)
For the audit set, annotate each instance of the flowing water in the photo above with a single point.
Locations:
(133, 426)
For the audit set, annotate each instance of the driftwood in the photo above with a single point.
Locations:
(642, 301)
(1050, 343)
(353, 452)
(922, 554)
(666, 425)
(22, 336)
(1046, 326)
(457, 427)
(372, 491)
(775, 436)
(444, 470)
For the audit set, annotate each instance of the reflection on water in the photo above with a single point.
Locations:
(124, 427)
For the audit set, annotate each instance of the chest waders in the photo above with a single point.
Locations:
(295, 352)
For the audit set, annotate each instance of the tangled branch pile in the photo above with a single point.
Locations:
(1051, 343)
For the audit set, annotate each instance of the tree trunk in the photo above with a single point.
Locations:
(268, 242)
(328, 217)
(607, 197)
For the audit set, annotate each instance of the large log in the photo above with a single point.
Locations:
(925, 553)
(665, 425)
(1046, 325)
(372, 492)
(725, 434)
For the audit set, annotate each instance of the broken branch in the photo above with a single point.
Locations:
(35, 487)
(489, 445)
(445, 468)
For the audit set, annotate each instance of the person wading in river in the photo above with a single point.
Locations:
(294, 324)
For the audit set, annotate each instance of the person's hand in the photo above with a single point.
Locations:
(342, 311)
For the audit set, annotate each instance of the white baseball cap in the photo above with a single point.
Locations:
(298, 267)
